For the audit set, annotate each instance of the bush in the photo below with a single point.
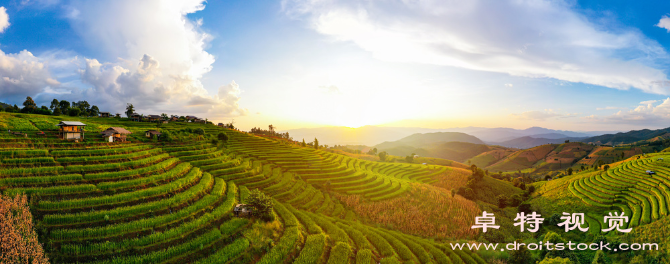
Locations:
(502, 201)
(262, 205)
(524, 207)
(199, 131)
(74, 112)
(223, 137)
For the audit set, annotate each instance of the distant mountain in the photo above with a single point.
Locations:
(530, 142)
(627, 137)
(500, 134)
(372, 135)
(366, 135)
(446, 145)
(427, 139)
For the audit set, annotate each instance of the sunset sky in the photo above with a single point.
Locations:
(570, 65)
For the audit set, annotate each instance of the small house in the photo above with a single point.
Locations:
(650, 172)
(104, 114)
(191, 118)
(174, 118)
(71, 130)
(198, 120)
(661, 159)
(117, 115)
(136, 117)
(242, 210)
(115, 134)
(220, 124)
(154, 118)
(152, 133)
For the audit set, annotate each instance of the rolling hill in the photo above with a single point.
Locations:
(534, 141)
(171, 201)
(627, 137)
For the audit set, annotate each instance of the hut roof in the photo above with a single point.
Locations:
(71, 123)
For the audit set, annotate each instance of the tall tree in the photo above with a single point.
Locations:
(316, 143)
(64, 105)
(130, 109)
(95, 111)
(29, 105)
(54, 104)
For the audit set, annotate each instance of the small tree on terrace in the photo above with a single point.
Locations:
(262, 205)
(223, 137)
(130, 109)
(316, 143)
(382, 156)
(303, 143)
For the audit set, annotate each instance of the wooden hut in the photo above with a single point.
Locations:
(71, 130)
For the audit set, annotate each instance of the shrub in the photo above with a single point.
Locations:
(262, 205)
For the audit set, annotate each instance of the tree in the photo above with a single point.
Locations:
(520, 256)
(262, 205)
(316, 143)
(272, 129)
(600, 258)
(64, 106)
(57, 111)
(130, 109)
(29, 105)
(166, 136)
(382, 156)
(223, 137)
(569, 171)
(164, 116)
(74, 112)
(502, 201)
(84, 106)
(199, 131)
(54, 104)
(524, 207)
(607, 167)
(95, 111)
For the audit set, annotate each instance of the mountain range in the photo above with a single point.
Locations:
(373, 135)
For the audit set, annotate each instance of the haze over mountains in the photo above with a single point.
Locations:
(373, 135)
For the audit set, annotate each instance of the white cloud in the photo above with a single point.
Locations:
(539, 115)
(509, 85)
(521, 38)
(171, 52)
(4, 19)
(22, 74)
(664, 23)
(645, 114)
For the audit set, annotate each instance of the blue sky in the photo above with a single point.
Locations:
(578, 65)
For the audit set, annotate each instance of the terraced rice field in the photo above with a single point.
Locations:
(149, 202)
(628, 188)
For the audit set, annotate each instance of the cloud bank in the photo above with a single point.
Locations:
(150, 54)
(539, 39)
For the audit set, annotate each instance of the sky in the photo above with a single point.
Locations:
(568, 65)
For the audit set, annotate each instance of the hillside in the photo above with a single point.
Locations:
(100, 202)
(627, 137)
(534, 141)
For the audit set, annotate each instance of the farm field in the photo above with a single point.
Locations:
(146, 201)
(151, 201)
